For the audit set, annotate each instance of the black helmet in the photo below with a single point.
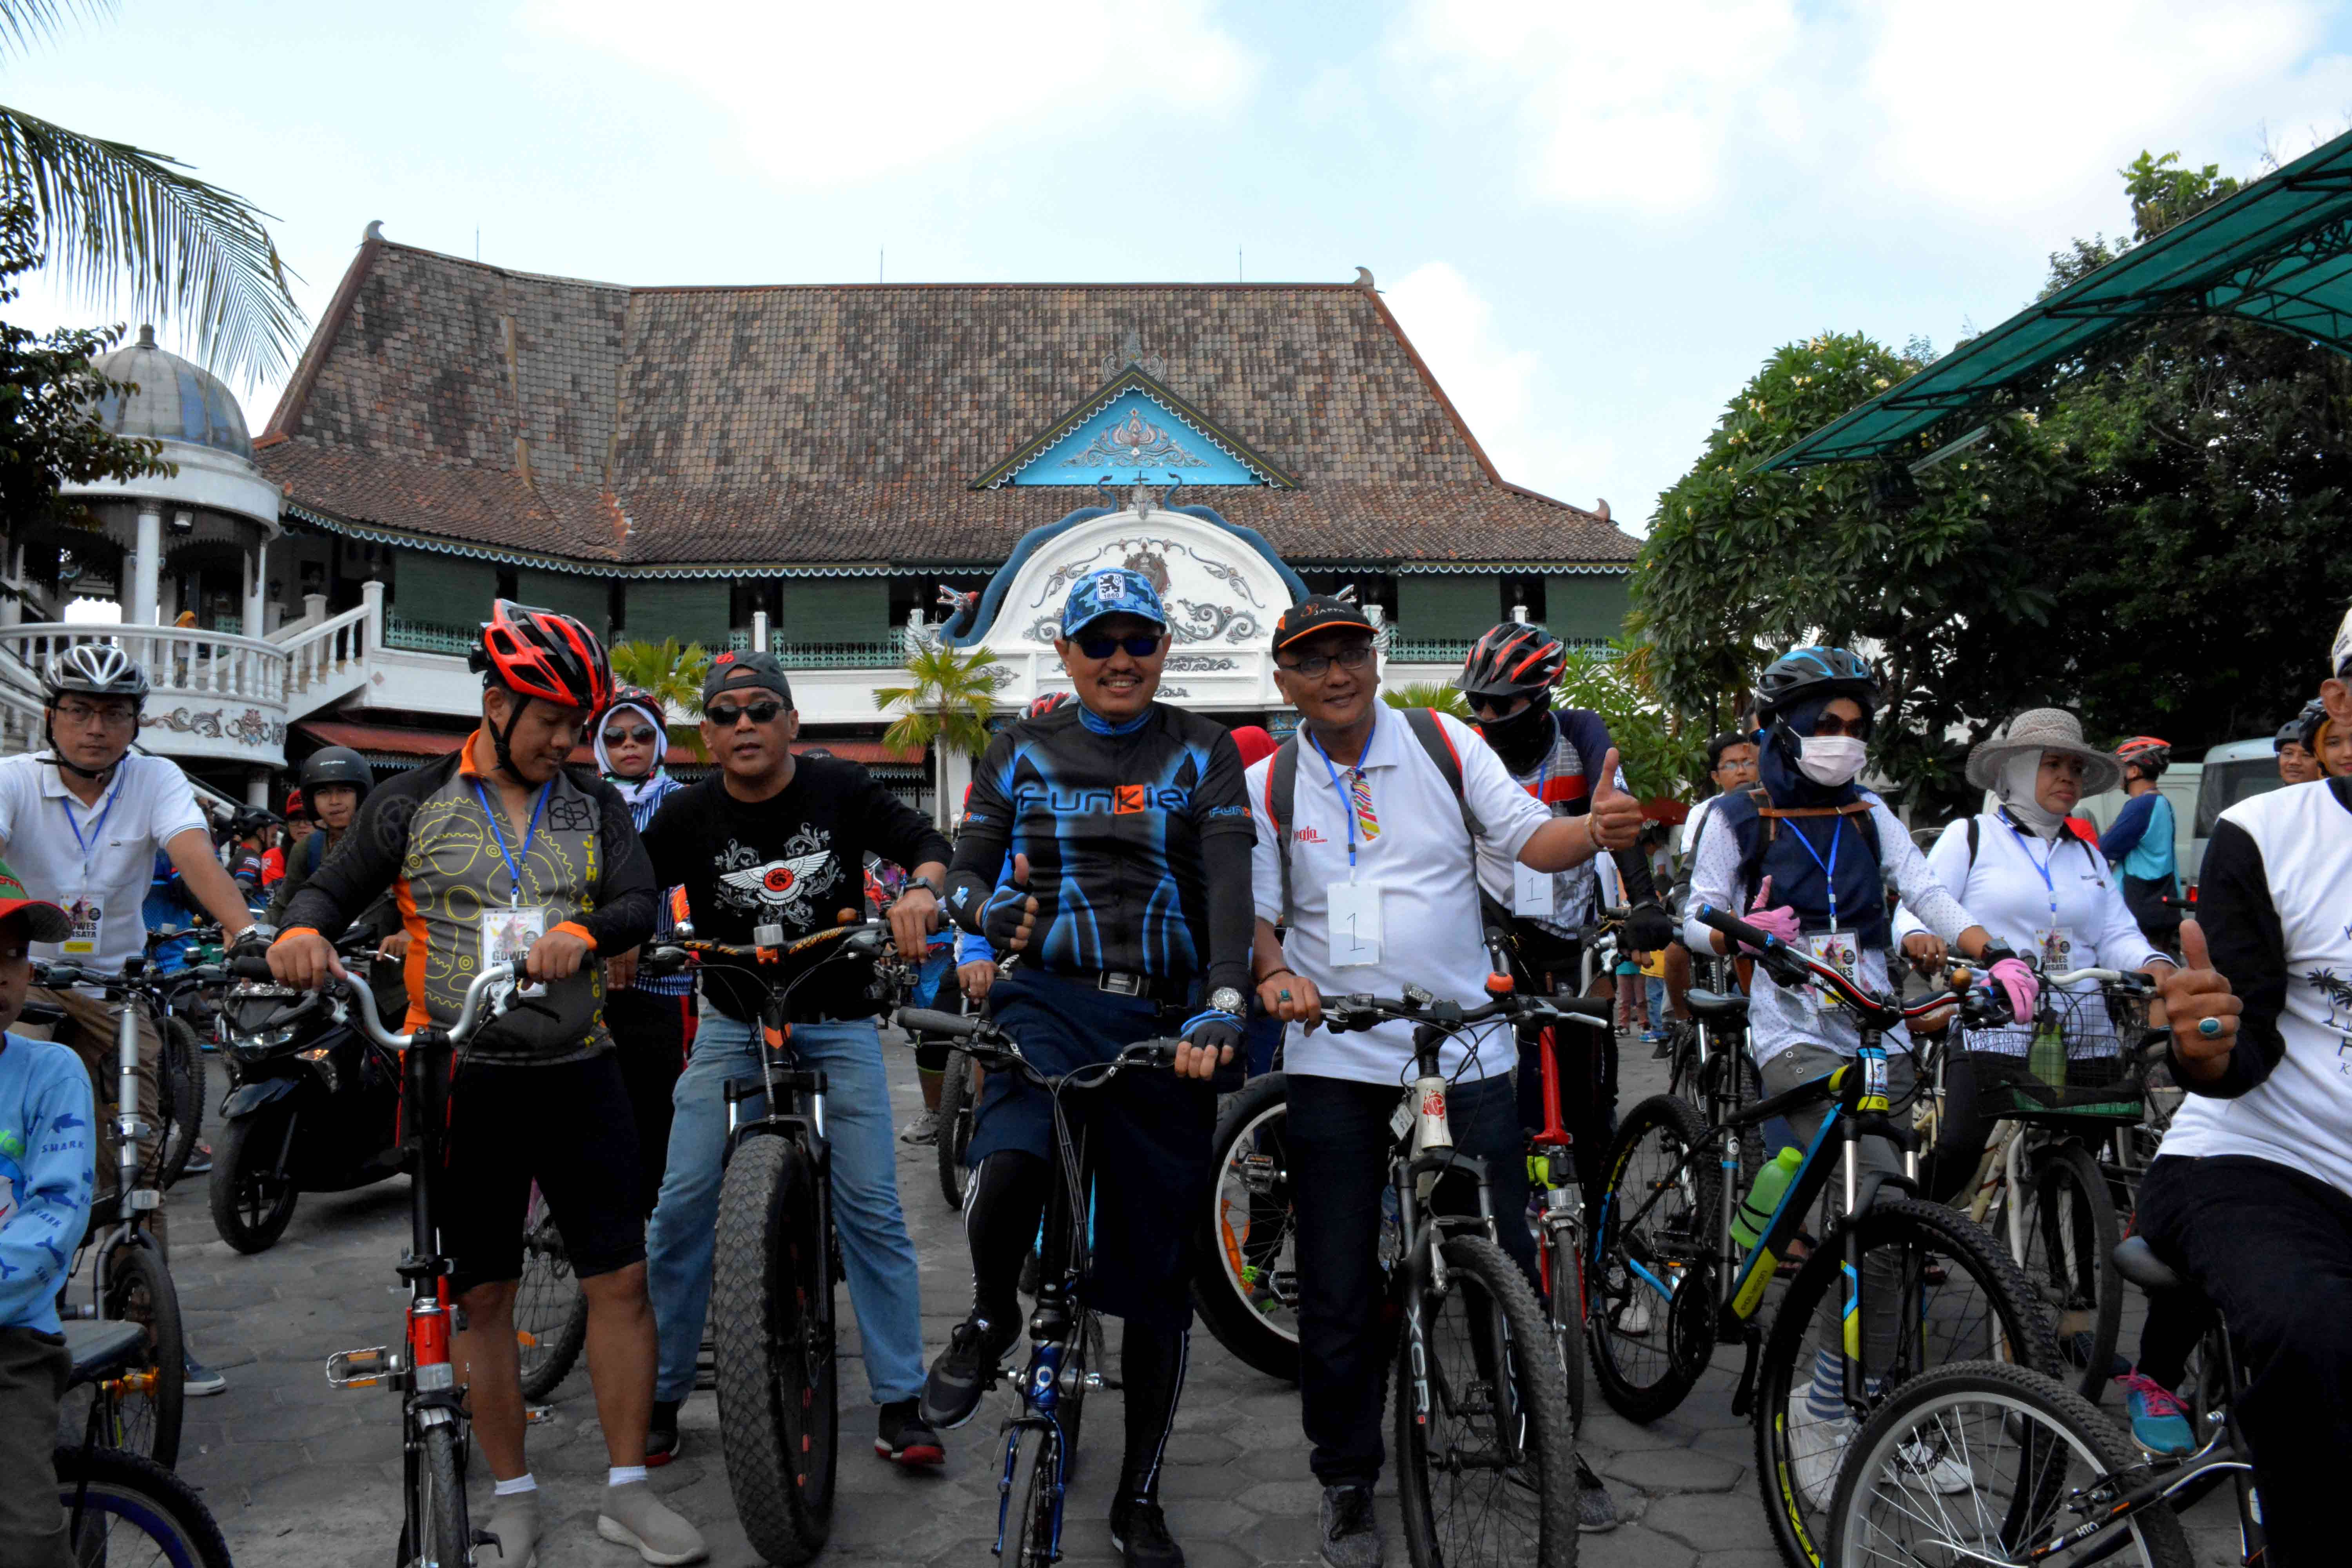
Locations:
(95, 670)
(333, 765)
(2303, 728)
(1518, 659)
(251, 821)
(1802, 673)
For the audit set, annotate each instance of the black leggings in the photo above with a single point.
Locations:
(1003, 1211)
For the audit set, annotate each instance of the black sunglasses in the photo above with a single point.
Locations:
(727, 716)
(1143, 644)
(641, 734)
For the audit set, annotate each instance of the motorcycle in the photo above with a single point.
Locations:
(315, 1107)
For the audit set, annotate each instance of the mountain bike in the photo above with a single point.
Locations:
(550, 1310)
(1668, 1280)
(2049, 1482)
(1066, 1353)
(958, 1098)
(121, 1507)
(129, 1281)
(434, 1532)
(777, 1259)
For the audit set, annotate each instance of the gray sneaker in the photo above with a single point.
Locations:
(1352, 1534)
(1596, 1510)
(923, 1129)
(514, 1520)
(632, 1516)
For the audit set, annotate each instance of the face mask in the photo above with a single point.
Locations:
(1522, 739)
(1831, 760)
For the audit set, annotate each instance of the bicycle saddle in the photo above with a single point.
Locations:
(102, 1348)
(1717, 1004)
(2137, 1262)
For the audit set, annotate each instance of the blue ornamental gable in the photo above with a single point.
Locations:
(1134, 431)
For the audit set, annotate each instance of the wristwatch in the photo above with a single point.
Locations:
(928, 885)
(1225, 999)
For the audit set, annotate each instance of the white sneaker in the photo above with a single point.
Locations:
(1634, 1319)
(1945, 1476)
(923, 1129)
(1816, 1447)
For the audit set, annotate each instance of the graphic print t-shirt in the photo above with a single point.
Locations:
(796, 860)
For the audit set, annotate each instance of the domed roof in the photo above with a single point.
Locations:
(175, 400)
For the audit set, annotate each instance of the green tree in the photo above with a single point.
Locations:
(1441, 695)
(122, 223)
(672, 671)
(1662, 756)
(948, 704)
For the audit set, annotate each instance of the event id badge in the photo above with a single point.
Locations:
(508, 931)
(89, 917)
(1355, 924)
(2057, 945)
(1532, 892)
(1839, 950)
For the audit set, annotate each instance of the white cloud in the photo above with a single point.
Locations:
(823, 96)
(1497, 388)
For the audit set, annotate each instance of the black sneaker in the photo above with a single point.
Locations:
(965, 1370)
(904, 1437)
(661, 1434)
(1139, 1530)
(1596, 1510)
(1352, 1536)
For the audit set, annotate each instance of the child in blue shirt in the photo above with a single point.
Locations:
(45, 1191)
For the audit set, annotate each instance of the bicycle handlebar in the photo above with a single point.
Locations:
(1000, 1052)
(1362, 1010)
(470, 1015)
(1794, 966)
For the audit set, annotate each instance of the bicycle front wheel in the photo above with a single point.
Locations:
(957, 1100)
(1247, 1285)
(441, 1535)
(771, 1331)
(1028, 1520)
(1649, 1305)
(550, 1314)
(1986, 1463)
(180, 1086)
(2071, 1234)
(122, 1509)
(1935, 1290)
(1486, 1448)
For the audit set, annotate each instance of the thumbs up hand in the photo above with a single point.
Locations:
(2193, 997)
(1616, 818)
(1010, 915)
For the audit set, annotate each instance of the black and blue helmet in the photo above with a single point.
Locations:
(1805, 673)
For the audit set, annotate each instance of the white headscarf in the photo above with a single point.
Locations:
(631, 788)
(2015, 786)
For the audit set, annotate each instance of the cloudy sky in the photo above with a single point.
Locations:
(1594, 220)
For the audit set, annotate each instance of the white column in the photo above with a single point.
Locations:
(147, 565)
(12, 607)
(953, 774)
(759, 631)
(257, 587)
(256, 787)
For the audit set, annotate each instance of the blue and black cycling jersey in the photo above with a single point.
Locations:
(1139, 844)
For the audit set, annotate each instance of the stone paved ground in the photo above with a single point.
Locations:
(299, 1474)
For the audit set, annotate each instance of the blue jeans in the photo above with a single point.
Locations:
(1654, 990)
(875, 1251)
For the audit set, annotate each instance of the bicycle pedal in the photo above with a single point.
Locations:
(538, 1415)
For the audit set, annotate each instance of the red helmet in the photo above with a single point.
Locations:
(2146, 752)
(539, 653)
(1517, 658)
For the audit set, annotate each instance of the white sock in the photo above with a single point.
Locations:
(521, 1483)
(621, 1475)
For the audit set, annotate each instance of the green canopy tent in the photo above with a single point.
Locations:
(2278, 252)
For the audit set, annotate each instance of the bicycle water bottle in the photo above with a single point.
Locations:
(2045, 1059)
(1430, 1130)
(1756, 1209)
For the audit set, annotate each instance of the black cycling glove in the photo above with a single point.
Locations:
(1648, 928)
(1213, 1029)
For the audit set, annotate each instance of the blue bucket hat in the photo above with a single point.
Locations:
(1119, 591)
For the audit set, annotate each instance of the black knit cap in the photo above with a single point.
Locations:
(757, 670)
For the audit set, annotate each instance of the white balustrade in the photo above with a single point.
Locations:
(210, 694)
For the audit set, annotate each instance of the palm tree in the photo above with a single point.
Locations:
(1438, 694)
(671, 671)
(108, 212)
(954, 692)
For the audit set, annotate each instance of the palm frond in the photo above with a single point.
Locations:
(1441, 695)
(118, 221)
(24, 23)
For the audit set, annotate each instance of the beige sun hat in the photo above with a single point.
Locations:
(2043, 729)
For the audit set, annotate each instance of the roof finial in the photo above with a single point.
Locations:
(374, 230)
(1364, 277)
(146, 337)
(1601, 509)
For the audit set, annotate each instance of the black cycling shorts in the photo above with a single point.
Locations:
(569, 1128)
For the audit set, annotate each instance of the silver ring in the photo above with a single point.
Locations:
(2209, 1027)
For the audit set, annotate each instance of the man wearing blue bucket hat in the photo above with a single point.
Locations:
(1129, 901)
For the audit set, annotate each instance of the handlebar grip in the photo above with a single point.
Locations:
(928, 1021)
(250, 966)
(662, 960)
(1585, 1006)
(1738, 930)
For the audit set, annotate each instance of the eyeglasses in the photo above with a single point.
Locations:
(641, 734)
(82, 713)
(727, 716)
(1354, 656)
(1143, 644)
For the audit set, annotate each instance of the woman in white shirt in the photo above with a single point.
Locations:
(2043, 888)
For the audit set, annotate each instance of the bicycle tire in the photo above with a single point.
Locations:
(550, 1315)
(137, 1492)
(2012, 1325)
(1564, 1312)
(1925, 1410)
(1488, 1286)
(179, 1090)
(137, 1288)
(2071, 1233)
(1025, 1516)
(955, 1128)
(1225, 1289)
(1646, 1371)
(771, 1331)
(251, 1206)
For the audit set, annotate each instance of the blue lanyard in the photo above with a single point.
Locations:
(1829, 866)
(514, 872)
(97, 828)
(1346, 801)
(2041, 866)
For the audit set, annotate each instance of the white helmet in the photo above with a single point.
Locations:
(95, 670)
(2339, 657)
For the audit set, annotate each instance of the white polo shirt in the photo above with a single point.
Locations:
(1422, 863)
(95, 863)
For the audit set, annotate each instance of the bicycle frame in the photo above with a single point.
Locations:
(1054, 1324)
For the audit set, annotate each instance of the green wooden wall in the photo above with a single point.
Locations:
(1587, 605)
(1433, 607)
(833, 609)
(691, 609)
(585, 599)
(442, 590)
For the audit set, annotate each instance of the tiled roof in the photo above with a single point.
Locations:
(810, 425)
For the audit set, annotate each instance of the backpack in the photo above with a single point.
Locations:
(1282, 786)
